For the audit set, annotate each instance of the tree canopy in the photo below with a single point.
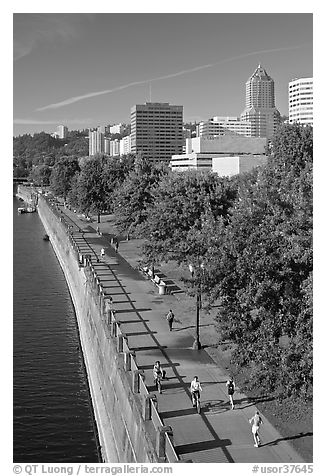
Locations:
(135, 194)
(182, 205)
(62, 174)
(260, 266)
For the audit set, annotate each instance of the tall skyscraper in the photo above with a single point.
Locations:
(156, 130)
(260, 104)
(301, 101)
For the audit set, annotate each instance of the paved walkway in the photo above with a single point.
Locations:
(218, 434)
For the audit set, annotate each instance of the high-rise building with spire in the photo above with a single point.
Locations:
(260, 104)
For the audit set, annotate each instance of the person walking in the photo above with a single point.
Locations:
(116, 246)
(170, 318)
(256, 421)
(102, 252)
(230, 385)
(158, 374)
(195, 389)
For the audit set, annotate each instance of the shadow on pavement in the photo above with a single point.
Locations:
(253, 400)
(294, 437)
(203, 445)
(178, 413)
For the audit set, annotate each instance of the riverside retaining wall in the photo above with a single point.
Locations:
(129, 426)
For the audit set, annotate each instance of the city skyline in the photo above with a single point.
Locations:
(84, 70)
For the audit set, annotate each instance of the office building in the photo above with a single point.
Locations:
(106, 145)
(114, 147)
(125, 145)
(260, 107)
(156, 130)
(62, 132)
(301, 101)
(96, 142)
(102, 129)
(237, 164)
(220, 126)
(201, 153)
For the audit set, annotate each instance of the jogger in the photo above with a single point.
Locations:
(231, 387)
(256, 421)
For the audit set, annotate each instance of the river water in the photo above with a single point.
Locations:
(52, 412)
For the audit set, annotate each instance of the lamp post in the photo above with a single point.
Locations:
(197, 345)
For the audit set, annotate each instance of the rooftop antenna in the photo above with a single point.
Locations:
(150, 91)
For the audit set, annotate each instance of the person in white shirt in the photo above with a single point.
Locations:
(158, 374)
(256, 421)
(195, 388)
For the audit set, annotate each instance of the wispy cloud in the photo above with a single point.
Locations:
(74, 99)
(30, 30)
(31, 121)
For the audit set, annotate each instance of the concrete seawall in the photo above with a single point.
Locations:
(124, 434)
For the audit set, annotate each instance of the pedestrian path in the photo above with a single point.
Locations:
(218, 434)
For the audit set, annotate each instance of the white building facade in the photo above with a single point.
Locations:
(240, 154)
(301, 101)
(114, 148)
(62, 131)
(125, 145)
(236, 164)
(96, 142)
(221, 125)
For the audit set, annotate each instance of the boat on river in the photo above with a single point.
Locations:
(26, 209)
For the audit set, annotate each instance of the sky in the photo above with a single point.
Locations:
(89, 69)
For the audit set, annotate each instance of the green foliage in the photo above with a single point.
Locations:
(91, 185)
(114, 174)
(182, 207)
(135, 194)
(260, 267)
(40, 175)
(62, 174)
(42, 148)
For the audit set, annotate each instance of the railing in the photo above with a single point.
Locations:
(170, 452)
(157, 422)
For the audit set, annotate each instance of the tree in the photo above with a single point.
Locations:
(115, 171)
(182, 206)
(91, 186)
(62, 174)
(135, 194)
(40, 175)
(260, 268)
